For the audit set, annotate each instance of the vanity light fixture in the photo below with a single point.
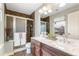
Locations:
(40, 11)
(49, 10)
(45, 13)
(44, 8)
(62, 4)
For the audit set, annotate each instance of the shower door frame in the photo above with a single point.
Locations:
(14, 19)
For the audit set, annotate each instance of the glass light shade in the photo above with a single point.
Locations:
(50, 11)
(62, 4)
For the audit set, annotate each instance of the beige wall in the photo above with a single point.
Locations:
(73, 23)
(1, 29)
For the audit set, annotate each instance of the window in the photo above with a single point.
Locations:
(20, 25)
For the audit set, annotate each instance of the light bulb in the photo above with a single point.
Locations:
(62, 4)
(44, 8)
(40, 11)
(45, 13)
(50, 11)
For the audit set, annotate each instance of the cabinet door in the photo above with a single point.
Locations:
(45, 53)
(37, 50)
(48, 52)
(33, 49)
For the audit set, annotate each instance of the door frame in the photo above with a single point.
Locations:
(14, 20)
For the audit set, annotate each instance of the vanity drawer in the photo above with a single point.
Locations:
(47, 53)
(54, 51)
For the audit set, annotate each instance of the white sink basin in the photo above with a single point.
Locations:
(61, 48)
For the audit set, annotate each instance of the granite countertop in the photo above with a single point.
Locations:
(72, 47)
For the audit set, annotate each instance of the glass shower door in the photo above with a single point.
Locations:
(20, 32)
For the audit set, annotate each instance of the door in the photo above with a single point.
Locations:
(19, 31)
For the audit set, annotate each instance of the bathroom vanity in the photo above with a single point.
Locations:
(46, 47)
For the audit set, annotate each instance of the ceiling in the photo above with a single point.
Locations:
(29, 8)
(26, 8)
(56, 9)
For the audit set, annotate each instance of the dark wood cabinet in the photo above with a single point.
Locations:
(33, 49)
(41, 49)
(36, 48)
(53, 51)
(46, 52)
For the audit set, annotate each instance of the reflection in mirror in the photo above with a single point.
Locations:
(59, 26)
(43, 28)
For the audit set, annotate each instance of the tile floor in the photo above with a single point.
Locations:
(22, 53)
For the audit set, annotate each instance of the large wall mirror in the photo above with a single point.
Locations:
(59, 26)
